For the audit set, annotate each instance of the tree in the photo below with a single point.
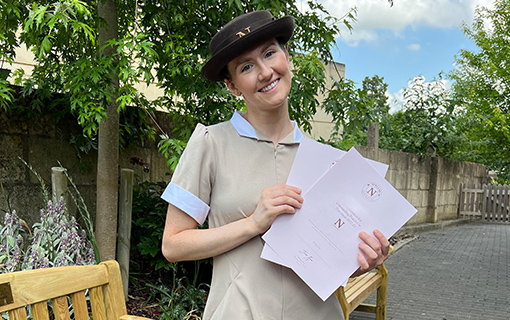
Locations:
(108, 140)
(425, 125)
(481, 83)
(376, 88)
(11, 14)
(163, 42)
(354, 109)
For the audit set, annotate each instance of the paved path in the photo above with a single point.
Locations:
(454, 273)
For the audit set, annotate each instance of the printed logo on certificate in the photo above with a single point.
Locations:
(371, 192)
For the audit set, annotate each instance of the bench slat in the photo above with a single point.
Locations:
(360, 285)
(366, 308)
(61, 308)
(353, 281)
(96, 304)
(40, 311)
(80, 306)
(364, 291)
(18, 314)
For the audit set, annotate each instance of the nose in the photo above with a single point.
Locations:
(265, 71)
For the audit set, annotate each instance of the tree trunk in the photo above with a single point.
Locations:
(108, 150)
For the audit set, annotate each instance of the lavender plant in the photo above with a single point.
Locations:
(57, 238)
(11, 243)
(57, 241)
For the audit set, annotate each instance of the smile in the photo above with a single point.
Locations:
(270, 86)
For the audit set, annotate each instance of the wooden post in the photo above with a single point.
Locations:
(461, 201)
(432, 194)
(380, 313)
(484, 203)
(507, 203)
(58, 185)
(494, 200)
(125, 217)
(472, 199)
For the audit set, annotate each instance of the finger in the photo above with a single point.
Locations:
(363, 263)
(293, 193)
(286, 188)
(292, 188)
(286, 200)
(385, 244)
(370, 254)
(283, 192)
(370, 241)
(279, 206)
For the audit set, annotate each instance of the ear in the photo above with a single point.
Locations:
(232, 87)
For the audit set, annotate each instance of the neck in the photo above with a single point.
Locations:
(274, 124)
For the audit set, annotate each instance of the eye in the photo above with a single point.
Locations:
(270, 53)
(246, 67)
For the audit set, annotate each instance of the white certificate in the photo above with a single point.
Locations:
(313, 159)
(320, 241)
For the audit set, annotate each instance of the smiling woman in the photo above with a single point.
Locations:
(234, 173)
(262, 77)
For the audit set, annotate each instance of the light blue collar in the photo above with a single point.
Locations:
(245, 129)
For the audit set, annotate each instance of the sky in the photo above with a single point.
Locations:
(409, 39)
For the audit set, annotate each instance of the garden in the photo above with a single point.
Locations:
(95, 80)
(158, 289)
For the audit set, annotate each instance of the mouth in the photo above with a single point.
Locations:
(270, 86)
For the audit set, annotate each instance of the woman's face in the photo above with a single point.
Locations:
(261, 76)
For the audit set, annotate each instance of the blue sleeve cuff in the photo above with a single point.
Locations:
(187, 202)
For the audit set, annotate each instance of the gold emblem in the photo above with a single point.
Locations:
(242, 34)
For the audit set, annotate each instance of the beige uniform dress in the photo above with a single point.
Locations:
(220, 176)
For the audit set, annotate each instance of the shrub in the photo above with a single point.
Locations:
(57, 241)
(179, 288)
(11, 243)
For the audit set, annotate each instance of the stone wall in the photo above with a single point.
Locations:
(431, 184)
(42, 142)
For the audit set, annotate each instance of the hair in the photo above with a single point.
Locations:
(225, 74)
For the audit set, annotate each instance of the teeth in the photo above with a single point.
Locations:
(269, 87)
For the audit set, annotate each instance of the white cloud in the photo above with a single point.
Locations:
(395, 100)
(377, 14)
(414, 47)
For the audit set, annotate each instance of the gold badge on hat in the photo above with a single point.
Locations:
(242, 34)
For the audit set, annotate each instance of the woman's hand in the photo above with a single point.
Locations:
(273, 202)
(374, 251)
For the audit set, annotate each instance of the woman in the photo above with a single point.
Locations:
(234, 173)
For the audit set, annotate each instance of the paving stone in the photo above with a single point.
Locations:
(456, 273)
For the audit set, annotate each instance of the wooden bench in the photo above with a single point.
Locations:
(360, 288)
(65, 288)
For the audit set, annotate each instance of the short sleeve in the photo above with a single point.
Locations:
(191, 184)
